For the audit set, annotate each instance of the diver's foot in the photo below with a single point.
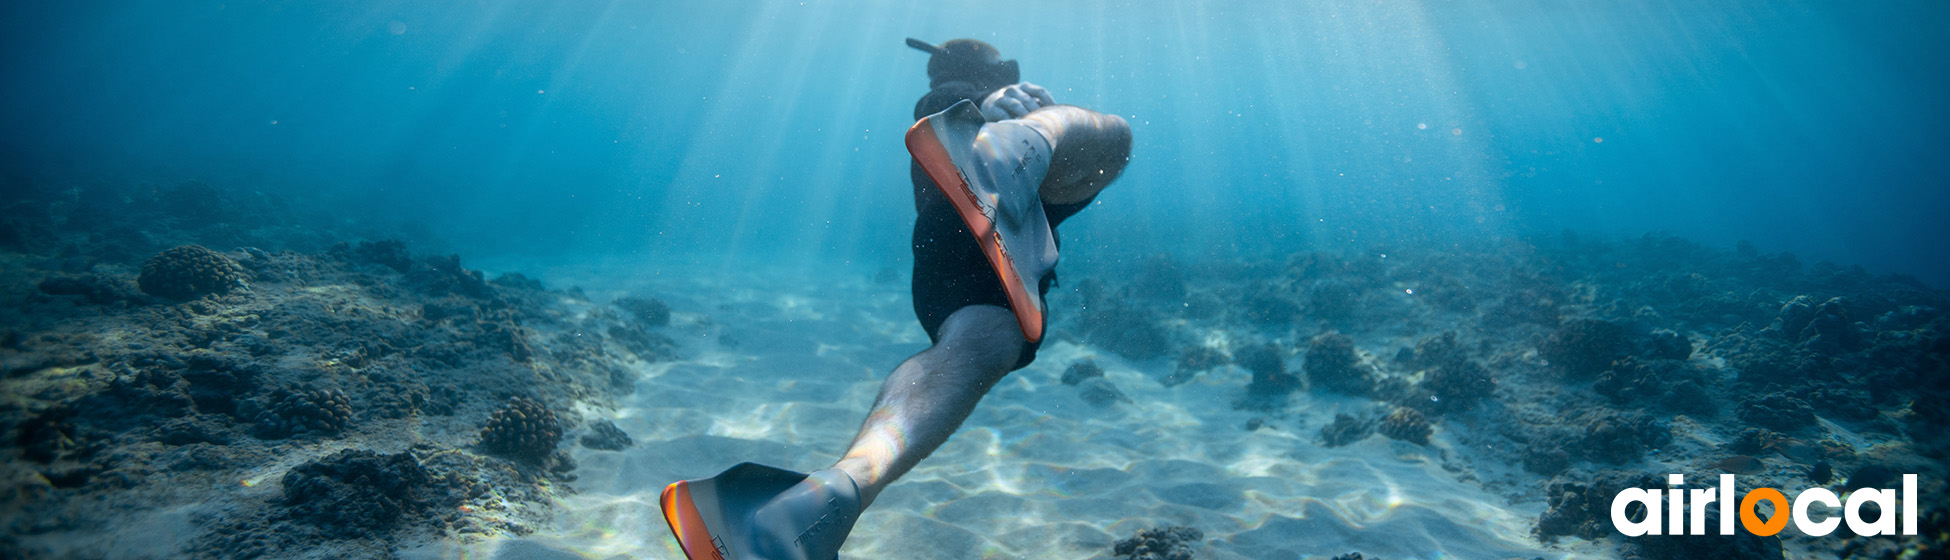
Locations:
(809, 521)
(755, 512)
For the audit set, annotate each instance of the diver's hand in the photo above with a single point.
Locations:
(1015, 101)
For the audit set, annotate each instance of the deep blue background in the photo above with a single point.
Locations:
(772, 129)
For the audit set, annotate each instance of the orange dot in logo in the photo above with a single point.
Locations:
(1751, 520)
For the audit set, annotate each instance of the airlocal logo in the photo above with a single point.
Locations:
(1749, 514)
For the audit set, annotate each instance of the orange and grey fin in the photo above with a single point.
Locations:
(991, 173)
(755, 512)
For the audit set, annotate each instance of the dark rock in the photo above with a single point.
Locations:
(98, 289)
(1766, 363)
(1546, 460)
(192, 430)
(1432, 351)
(1167, 543)
(1821, 473)
(217, 380)
(49, 435)
(443, 275)
(1331, 365)
(448, 308)
(1872, 476)
(390, 253)
(652, 312)
(1584, 348)
(1346, 429)
(1270, 378)
(1406, 424)
(1081, 370)
(1334, 301)
(506, 337)
(1125, 329)
(1266, 306)
(647, 346)
(523, 430)
(604, 435)
(1099, 392)
(189, 271)
(1194, 361)
(518, 281)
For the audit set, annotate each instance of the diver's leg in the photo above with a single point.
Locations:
(928, 396)
(1090, 150)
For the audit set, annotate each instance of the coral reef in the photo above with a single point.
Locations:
(604, 435)
(356, 489)
(1668, 345)
(1618, 437)
(304, 410)
(1778, 412)
(523, 430)
(1460, 384)
(1331, 365)
(1580, 503)
(1676, 385)
(1346, 429)
(1164, 543)
(189, 271)
(1406, 424)
(1584, 348)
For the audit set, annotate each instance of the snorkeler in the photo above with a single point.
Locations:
(997, 166)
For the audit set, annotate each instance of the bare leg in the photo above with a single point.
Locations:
(1090, 148)
(926, 399)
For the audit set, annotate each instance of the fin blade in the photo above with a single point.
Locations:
(708, 516)
(945, 145)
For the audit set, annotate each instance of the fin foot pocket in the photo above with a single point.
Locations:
(755, 512)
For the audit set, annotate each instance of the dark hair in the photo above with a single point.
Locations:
(967, 60)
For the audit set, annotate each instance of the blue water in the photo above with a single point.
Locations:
(771, 129)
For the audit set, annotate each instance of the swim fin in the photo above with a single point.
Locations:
(755, 512)
(992, 173)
